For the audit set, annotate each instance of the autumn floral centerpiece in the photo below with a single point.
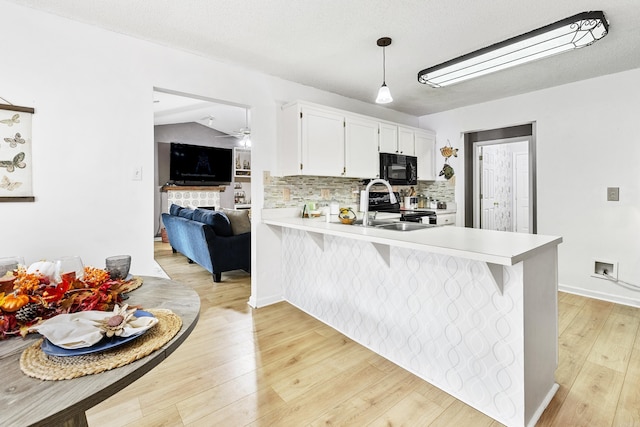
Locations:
(40, 293)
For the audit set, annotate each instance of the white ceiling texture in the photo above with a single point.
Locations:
(331, 44)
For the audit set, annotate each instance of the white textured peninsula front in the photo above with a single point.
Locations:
(473, 312)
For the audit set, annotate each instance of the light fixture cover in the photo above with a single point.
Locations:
(384, 95)
(574, 32)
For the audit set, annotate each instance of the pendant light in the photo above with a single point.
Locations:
(384, 94)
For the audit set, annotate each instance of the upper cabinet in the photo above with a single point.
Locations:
(406, 141)
(388, 138)
(312, 141)
(361, 148)
(425, 146)
(323, 141)
(396, 139)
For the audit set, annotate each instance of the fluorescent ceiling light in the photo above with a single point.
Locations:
(571, 33)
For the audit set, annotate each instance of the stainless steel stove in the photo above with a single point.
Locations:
(379, 201)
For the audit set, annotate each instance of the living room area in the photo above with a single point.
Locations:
(203, 166)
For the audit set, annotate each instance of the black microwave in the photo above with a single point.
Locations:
(399, 169)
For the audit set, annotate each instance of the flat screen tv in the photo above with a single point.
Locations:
(200, 165)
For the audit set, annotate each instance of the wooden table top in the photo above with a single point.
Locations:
(29, 401)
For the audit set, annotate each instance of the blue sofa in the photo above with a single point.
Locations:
(207, 238)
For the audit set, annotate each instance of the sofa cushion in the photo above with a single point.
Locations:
(186, 213)
(217, 220)
(174, 209)
(239, 219)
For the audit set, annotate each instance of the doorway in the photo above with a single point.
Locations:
(196, 120)
(500, 182)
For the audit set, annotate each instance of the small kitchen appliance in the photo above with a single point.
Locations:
(399, 169)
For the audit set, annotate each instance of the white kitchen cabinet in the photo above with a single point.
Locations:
(446, 219)
(388, 138)
(396, 139)
(312, 141)
(361, 147)
(425, 145)
(406, 142)
(324, 141)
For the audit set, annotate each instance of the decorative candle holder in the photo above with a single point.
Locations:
(118, 266)
(69, 268)
(7, 266)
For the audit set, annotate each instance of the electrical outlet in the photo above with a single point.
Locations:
(605, 268)
(613, 194)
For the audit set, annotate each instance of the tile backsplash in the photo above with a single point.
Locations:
(293, 191)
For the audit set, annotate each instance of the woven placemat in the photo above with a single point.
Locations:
(35, 363)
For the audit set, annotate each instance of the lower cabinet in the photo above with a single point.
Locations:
(446, 219)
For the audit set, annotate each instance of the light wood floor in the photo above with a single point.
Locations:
(277, 366)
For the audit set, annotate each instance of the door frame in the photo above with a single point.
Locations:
(472, 140)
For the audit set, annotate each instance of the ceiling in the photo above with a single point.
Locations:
(169, 108)
(331, 44)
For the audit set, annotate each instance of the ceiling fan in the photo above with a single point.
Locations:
(209, 120)
(243, 133)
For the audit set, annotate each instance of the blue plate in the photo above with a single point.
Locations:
(104, 344)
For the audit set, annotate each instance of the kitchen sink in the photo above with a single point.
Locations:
(376, 222)
(404, 226)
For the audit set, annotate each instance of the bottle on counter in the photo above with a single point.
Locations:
(422, 201)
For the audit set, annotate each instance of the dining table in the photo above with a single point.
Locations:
(27, 401)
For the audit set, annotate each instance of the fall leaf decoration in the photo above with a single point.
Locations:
(36, 298)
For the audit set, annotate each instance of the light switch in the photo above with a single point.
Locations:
(613, 194)
(137, 173)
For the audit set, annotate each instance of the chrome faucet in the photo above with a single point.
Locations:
(365, 198)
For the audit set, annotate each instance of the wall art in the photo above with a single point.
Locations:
(447, 152)
(16, 170)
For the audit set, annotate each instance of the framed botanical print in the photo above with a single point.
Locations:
(16, 170)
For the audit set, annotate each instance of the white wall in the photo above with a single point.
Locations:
(587, 139)
(92, 91)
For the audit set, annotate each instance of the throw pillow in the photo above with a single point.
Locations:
(217, 220)
(186, 213)
(175, 209)
(240, 222)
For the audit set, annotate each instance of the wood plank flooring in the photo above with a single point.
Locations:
(277, 366)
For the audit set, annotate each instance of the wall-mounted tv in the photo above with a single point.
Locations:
(200, 165)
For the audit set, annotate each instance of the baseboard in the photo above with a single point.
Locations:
(543, 405)
(263, 302)
(599, 295)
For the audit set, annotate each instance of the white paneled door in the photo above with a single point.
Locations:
(521, 162)
(503, 186)
(488, 199)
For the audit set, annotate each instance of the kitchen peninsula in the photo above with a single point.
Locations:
(473, 312)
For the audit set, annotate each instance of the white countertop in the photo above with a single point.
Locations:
(437, 211)
(496, 247)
